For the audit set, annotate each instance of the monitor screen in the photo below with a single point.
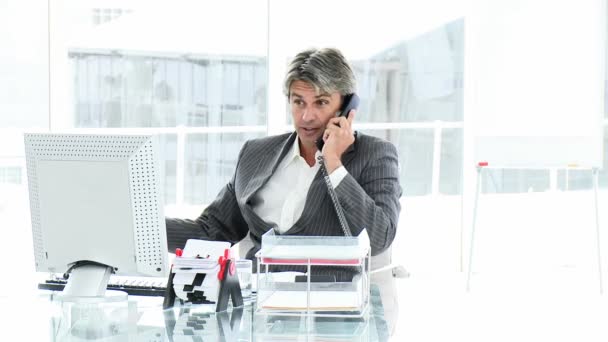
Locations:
(96, 199)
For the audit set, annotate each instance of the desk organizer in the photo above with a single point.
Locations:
(309, 291)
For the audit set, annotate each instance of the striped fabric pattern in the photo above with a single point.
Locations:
(369, 195)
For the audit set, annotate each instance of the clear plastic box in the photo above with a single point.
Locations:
(293, 274)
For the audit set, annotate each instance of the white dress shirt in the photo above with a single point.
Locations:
(281, 200)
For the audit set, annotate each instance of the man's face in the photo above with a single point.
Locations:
(311, 111)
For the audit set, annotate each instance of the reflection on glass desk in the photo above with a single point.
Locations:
(45, 319)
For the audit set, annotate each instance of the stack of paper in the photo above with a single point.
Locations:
(319, 301)
(322, 297)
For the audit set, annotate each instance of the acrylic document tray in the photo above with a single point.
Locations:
(313, 275)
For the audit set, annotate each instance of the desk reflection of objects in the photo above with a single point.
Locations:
(40, 318)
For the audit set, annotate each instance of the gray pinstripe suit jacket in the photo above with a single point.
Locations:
(369, 195)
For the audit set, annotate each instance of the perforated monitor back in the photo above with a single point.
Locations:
(98, 198)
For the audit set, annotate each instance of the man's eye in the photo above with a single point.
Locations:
(297, 102)
(322, 102)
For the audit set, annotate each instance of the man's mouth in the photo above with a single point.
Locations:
(311, 132)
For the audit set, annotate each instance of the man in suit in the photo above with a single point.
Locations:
(278, 183)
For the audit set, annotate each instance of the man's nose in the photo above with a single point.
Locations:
(309, 114)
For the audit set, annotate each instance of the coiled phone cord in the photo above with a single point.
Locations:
(334, 198)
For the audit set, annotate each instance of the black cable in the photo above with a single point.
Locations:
(66, 275)
(334, 198)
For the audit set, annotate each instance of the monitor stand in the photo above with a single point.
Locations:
(88, 281)
(88, 311)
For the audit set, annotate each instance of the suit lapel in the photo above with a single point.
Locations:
(317, 193)
(268, 163)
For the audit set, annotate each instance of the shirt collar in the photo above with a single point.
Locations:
(294, 153)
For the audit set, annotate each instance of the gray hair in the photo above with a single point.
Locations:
(325, 69)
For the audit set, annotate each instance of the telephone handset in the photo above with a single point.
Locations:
(351, 101)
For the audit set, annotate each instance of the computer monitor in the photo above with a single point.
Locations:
(97, 207)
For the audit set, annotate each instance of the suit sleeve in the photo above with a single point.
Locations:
(373, 201)
(220, 221)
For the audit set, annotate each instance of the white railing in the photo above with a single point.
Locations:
(15, 157)
(181, 132)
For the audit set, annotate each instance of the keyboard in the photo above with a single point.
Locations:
(132, 286)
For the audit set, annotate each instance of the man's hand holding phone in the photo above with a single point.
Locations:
(338, 136)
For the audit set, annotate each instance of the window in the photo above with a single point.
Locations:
(202, 96)
(410, 83)
(186, 71)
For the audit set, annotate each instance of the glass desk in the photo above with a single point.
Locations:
(40, 317)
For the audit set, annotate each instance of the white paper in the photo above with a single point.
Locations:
(204, 248)
(319, 300)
